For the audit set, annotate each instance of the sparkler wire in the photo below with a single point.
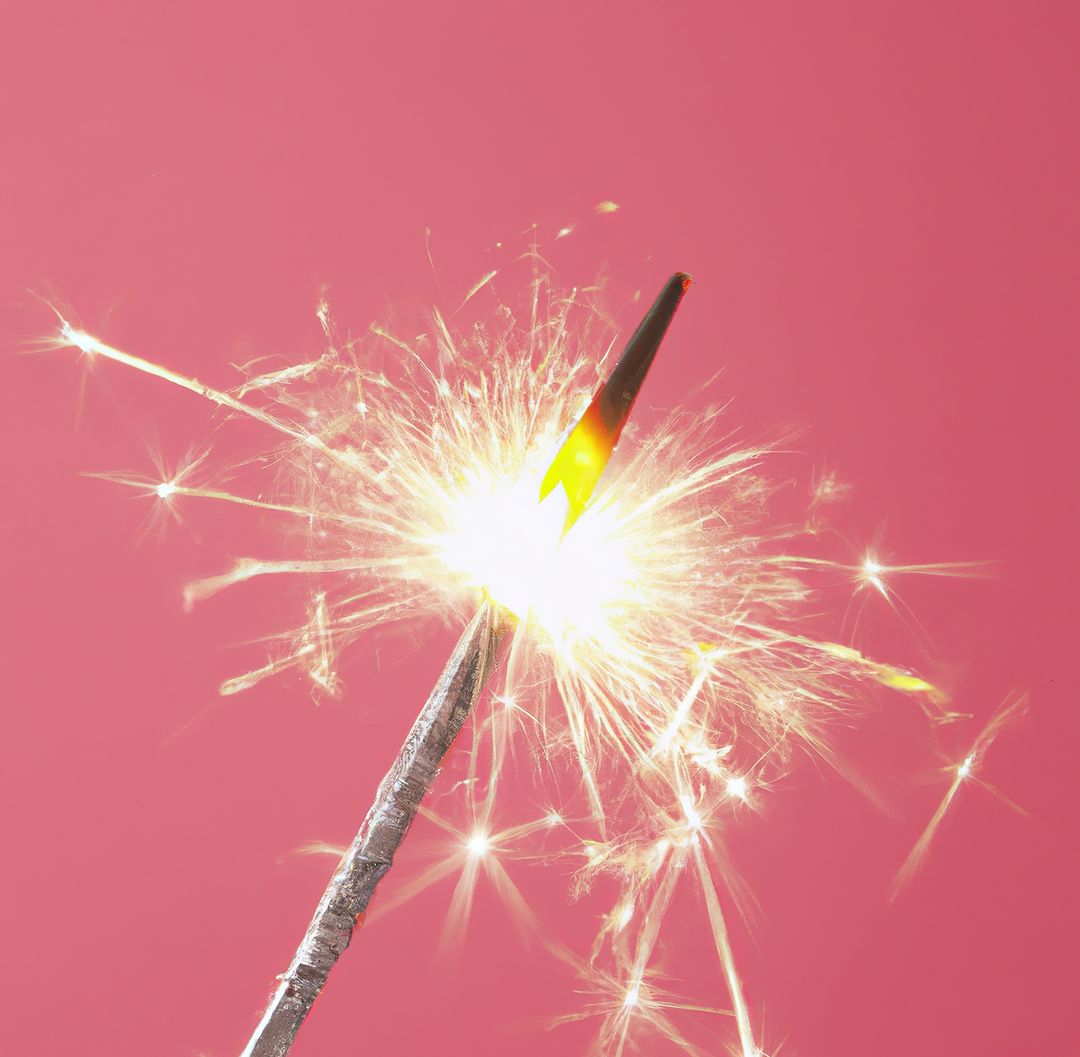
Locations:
(371, 854)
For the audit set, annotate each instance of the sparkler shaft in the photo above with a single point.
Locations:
(371, 854)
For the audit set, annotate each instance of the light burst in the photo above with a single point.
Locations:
(961, 773)
(662, 645)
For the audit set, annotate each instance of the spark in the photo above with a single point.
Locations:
(737, 788)
(693, 819)
(477, 287)
(964, 772)
(879, 577)
(656, 642)
(872, 572)
(168, 489)
(727, 958)
(683, 711)
(69, 335)
(479, 844)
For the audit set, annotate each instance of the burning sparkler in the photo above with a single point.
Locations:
(578, 468)
(647, 592)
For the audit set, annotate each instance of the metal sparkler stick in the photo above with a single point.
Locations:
(372, 852)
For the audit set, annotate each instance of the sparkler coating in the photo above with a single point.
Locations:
(372, 852)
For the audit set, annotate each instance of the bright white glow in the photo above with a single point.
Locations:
(478, 844)
(165, 489)
(693, 819)
(83, 342)
(737, 787)
(631, 997)
(500, 539)
(965, 768)
(872, 573)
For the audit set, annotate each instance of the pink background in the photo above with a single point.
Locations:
(879, 205)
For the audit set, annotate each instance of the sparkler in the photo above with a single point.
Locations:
(644, 590)
(578, 468)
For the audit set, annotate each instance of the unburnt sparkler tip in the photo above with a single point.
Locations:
(580, 462)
